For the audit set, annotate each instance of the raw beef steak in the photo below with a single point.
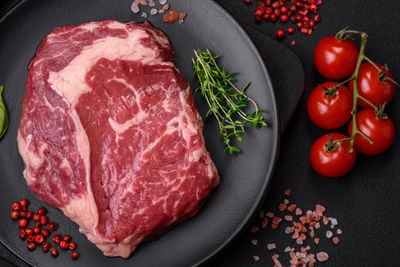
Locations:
(110, 133)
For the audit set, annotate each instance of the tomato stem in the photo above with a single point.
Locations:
(372, 63)
(345, 34)
(364, 37)
(332, 145)
(368, 102)
(366, 137)
(330, 92)
(382, 74)
(379, 112)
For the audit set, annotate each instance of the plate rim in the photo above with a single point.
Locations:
(276, 139)
(275, 136)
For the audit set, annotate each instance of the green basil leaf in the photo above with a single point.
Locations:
(3, 115)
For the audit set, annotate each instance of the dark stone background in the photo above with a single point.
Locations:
(366, 202)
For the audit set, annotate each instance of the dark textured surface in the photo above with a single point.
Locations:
(288, 85)
(236, 198)
(366, 201)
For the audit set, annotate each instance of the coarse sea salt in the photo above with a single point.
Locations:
(329, 234)
(153, 11)
(144, 15)
(269, 214)
(287, 230)
(322, 256)
(262, 214)
(135, 8)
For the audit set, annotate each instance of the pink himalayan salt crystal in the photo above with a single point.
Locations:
(322, 256)
(135, 8)
(298, 211)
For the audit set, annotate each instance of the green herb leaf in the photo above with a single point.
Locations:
(225, 100)
(3, 115)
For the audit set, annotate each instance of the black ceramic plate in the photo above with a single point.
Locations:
(244, 177)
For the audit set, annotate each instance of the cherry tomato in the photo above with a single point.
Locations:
(333, 163)
(330, 112)
(380, 131)
(371, 88)
(335, 59)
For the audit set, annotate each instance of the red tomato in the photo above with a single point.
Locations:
(335, 59)
(380, 131)
(330, 113)
(335, 163)
(371, 88)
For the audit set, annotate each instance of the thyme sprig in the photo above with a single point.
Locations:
(225, 100)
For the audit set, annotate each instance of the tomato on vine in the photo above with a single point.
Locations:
(331, 155)
(335, 58)
(329, 107)
(378, 87)
(379, 130)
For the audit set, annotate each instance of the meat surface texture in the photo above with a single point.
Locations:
(110, 134)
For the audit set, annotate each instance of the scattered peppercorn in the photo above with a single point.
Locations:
(24, 203)
(29, 231)
(74, 255)
(46, 246)
(41, 211)
(29, 214)
(54, 251)
(16, 206)
(22, 234)
(64, 244)
(31, 238)
(67, 238)
(14, 215)
(57, 238)
(303, 13)
(39, 239)
(280, 34)
(72, 246)
(23, 223)
(43, 220)
(36, 217)
(37, 235)
(31, 246)
(52, 226)
(45, 232)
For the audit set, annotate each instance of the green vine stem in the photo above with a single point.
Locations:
(342, 35)
(354, 131)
